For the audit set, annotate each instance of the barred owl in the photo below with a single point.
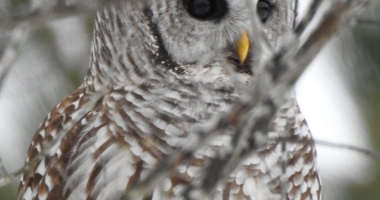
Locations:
(160, 71)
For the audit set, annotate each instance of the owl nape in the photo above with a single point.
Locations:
(161, 74)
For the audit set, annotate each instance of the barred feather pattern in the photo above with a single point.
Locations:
(151, 108)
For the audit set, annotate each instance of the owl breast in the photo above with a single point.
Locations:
(132, 132)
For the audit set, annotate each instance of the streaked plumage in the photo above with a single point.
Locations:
(156, 76)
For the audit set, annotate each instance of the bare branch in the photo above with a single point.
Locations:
(5, 178)
(364, 22)
(60, 10)
(368, 152)
(12, 52)
(309, 17)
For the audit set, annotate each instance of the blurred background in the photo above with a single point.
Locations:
(339, 93)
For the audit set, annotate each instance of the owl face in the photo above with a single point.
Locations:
(200, 33)
(196, 39)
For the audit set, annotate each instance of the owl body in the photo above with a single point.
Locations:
(147, 94)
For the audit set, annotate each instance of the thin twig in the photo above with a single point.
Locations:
(12, 52)
(364, 22)
(5, 178)
(301, 27)
(365, 151)
(368, 152)
(60, 10)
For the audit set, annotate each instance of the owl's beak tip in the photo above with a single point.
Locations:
(242, 46)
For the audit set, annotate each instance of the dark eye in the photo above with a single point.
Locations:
(263, 10)
(202, 9)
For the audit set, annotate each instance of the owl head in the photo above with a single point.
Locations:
(195, 40)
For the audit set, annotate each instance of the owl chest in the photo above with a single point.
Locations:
(128, 134)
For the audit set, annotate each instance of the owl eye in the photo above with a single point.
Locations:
(263, 9)
(202, 9)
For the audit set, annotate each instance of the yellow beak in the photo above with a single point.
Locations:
(242, 47)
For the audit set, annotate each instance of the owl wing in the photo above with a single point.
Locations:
(105, 151)
(51, 148)
(294, 162)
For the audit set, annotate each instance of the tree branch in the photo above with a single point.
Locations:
(60, 10)
(5, 178)
(12, 52)
(368, 152)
